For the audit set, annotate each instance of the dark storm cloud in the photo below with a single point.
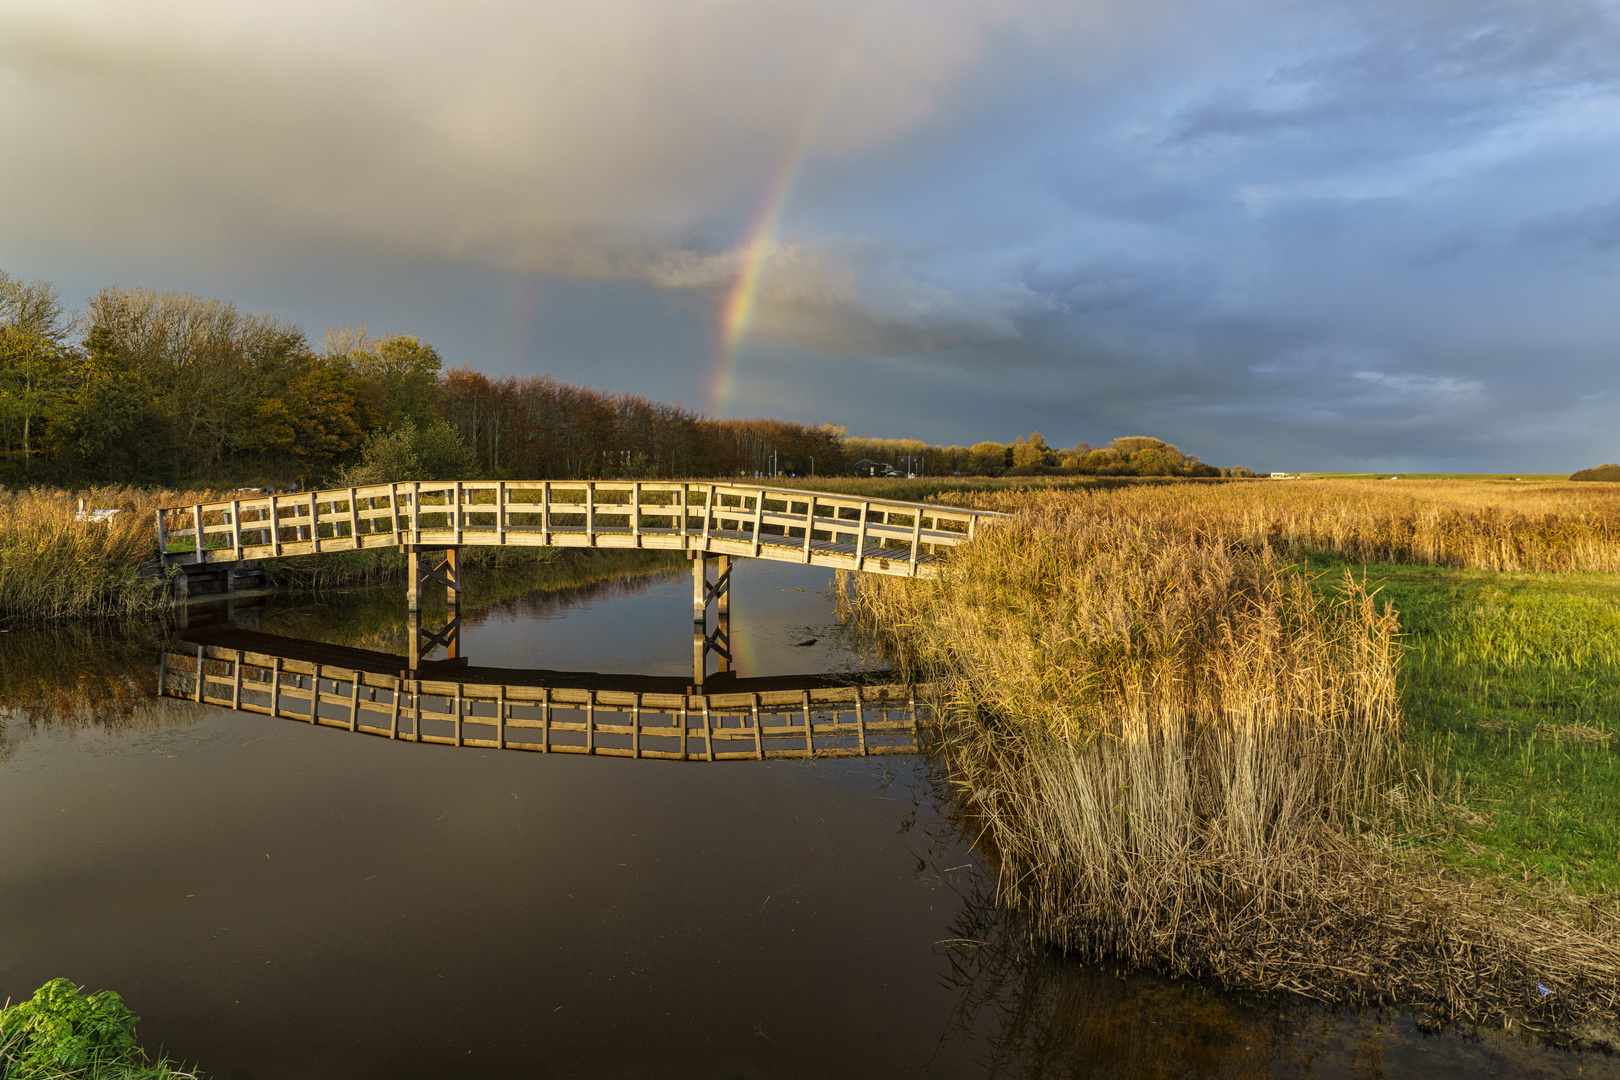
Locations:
(1298, 234)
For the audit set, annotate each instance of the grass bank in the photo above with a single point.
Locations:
(1511, 691)
(1183, 753)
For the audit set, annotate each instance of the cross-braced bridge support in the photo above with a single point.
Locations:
(706, 593)
(430, 567)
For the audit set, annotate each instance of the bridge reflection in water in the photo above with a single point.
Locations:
(454, 704)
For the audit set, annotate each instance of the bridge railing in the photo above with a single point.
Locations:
(810, 722)
(786, 524)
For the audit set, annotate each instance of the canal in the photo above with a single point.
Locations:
(281, 900)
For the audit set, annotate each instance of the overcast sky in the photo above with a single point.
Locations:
(1378, 234)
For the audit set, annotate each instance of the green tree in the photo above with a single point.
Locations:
(34, 330)
(987, 459)
(400, 374)
(207, 363)
(323, 407)
(412, 452)
(1030, 451)
(108, 424)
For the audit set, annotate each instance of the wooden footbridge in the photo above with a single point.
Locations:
(556, 712)
(867, 535)
(711, 522)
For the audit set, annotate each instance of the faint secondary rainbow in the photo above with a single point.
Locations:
(738, 311)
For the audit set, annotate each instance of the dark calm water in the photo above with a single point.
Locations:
(277, 900)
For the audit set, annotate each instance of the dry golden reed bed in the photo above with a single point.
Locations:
(53, 566)
(1548, 527)
(1179, 753)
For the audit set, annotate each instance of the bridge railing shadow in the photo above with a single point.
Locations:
(607, 715)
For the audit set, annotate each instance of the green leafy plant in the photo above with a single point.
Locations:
(61, 1032)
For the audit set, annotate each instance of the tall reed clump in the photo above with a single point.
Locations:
(55, 566)
(1171, 746)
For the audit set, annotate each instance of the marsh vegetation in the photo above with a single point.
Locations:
(1195, 738)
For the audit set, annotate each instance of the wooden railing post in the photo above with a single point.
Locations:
(393, 512)
(590, 513)
(759, 736)
(236, 528)
(162, 539)
(635, 511)
(809, 526)
(860, 720)
(196, 518)
(860, 537)
(354, 516)
(500, 512)
(759, 519)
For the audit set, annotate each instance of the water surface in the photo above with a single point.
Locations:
(277, 900)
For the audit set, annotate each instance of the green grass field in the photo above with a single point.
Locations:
(1511, 689)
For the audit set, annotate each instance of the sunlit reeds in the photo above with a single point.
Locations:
(56, 565)
(1554, 527)
(1181, 754)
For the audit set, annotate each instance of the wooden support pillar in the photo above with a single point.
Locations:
(704, 594)
(700, 616)
(722, 612)
(422, 572)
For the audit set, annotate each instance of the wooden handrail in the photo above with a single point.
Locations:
(781, 722)
(749, 520)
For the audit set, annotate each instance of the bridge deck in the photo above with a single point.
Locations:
(869, 535)
(547, 712)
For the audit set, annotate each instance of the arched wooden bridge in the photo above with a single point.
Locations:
(636, 716)
(738, 520)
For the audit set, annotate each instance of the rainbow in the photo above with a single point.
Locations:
(737, 313)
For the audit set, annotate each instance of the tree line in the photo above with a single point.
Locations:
(149, 387)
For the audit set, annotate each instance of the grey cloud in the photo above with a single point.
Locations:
(1597, 227)
(1442, 251)
(1419, 75)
